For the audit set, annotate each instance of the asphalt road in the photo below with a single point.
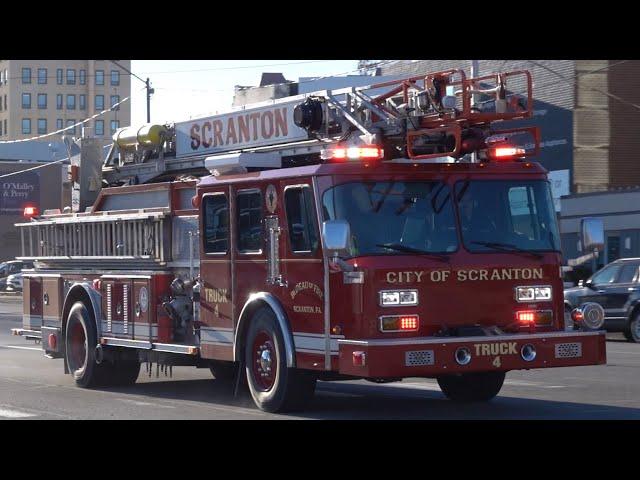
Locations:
(35, 387)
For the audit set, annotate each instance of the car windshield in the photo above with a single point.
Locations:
(500, 215)
(394, 217)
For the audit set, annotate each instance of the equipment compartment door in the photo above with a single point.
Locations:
(32, 303)
(140, 301)
(216, 314)
(117, 307)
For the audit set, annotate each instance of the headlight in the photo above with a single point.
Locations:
(390, 298)
(533, 294)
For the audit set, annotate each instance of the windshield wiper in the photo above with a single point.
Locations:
(507, 247)
(404, 248)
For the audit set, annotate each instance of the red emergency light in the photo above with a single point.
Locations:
(399, 323)
(30, 211)
(345, 154)
(505, 153)
(526, 317)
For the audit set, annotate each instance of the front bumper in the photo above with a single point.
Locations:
(430, 356)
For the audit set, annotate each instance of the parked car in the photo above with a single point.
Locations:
(14, 282)
(616, 287)
(10, 268)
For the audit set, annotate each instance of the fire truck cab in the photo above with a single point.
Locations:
(366, 265)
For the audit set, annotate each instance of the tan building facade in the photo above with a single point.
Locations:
(43, 96)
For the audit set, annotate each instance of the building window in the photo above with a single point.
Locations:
(26, 100)
(26, 126)
(99, 103)
(215, 217)
(71, 129)
(6, 80)
(301, 219)
(42, 101)
(71, 102)
(249, 222)
(59, 76)
(42, 126)
(26, 75)
(59, 101)
(83, 102)
(115, 77)
(115, 124)
(83, 77)
(115, 99)
(59, 124)
(99, 77)
(0, 129)
(42, 76)
(6, 132)
(5, 106)
(71, 77)
(100, 127)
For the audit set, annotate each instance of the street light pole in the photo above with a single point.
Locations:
(149, 92)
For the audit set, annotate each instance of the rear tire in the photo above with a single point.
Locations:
(80, 349)
(632, 333)
(273, 386)
(472, 387)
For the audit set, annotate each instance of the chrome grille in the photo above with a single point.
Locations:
(418, 358)
(568, 350)
(108, 307)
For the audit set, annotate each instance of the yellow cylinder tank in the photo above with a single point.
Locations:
(148, 135)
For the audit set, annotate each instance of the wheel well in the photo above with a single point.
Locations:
(244, 325)
(76, 294)
(634, 311)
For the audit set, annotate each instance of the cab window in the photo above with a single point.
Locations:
(249, 221)
(215, 210)
(628, 274)
(301, 219)
(606, 275)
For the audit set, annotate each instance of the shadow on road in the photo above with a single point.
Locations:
(360, 401)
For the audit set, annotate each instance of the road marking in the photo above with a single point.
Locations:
(14, 414)
(21, 348)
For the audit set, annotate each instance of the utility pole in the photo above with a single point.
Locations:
(149, 92)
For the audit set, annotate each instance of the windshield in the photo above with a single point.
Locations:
(499, 215)
(394, 217)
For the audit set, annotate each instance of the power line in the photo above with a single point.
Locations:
(237, 68)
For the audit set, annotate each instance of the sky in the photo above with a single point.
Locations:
(194, 88)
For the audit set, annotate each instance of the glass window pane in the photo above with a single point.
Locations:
(82, 77)
(26, 125)
(26, 75)
(71, 77)
(99, 77)
(113, 100)
(42, 125)
(99, 104)
(100, 127)
(628, 273)
(249, 221)
(26, 100)
(72, 130)
(83, 102)
(59, 101)
(606, 275)
(42, 100)
(301, 219)
(59, 75)
(59, 124)
(502, 214)
(115, 77)
(215, 211)
(42, 75)
(71, 102)
(415, 215)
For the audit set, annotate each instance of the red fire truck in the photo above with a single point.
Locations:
(376, 233)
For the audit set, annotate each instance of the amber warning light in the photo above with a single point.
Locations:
(399, 323)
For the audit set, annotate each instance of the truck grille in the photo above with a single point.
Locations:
(569, 350)
(418, 358)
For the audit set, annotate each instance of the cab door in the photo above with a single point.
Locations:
(303, 271)
(216, 316)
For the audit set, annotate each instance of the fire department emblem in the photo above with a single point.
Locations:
(271, 198)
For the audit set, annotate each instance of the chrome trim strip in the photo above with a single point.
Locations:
(325, 270)
(445, 340)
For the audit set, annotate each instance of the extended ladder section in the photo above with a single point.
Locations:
(417, 118)
(124, 238)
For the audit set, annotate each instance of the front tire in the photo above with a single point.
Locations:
(472, 387)
(632, 333)
(273, 386)
(81, 339)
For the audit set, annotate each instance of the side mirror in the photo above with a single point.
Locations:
(581, 283)
(337, 237)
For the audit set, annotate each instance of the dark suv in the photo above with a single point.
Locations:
(617, 288)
